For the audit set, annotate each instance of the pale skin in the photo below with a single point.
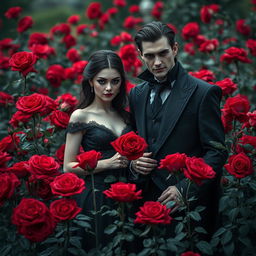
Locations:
(106, 86)
(159, 57)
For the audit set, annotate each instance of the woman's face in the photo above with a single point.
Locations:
(106, 84)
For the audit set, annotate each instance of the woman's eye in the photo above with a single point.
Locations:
(101, 81)
(116, 81)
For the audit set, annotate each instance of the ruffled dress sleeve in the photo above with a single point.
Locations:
(74, 127)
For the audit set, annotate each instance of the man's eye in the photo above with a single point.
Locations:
(101, 81)
(149, 56)
(164, 53)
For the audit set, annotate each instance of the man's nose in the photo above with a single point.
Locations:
(157, 61)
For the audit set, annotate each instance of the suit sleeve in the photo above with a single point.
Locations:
(212, 139)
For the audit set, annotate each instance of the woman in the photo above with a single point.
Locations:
(99, 119)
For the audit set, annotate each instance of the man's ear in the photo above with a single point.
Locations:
(140, 53)
(175, 49)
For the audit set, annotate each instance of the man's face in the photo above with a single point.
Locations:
(159, 57)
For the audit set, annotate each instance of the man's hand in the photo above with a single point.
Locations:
(171, 194)
(144, 165)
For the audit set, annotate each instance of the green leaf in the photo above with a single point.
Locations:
(226, 238)
(49, 251)
(110, 229)
(146, 231)
(252, 185)
(83, 224)
(179, 228)
(145, 252)
(76, 242)
(110, 179)
(200, 230)
(5, 251)
(194, 215)
(148, 242)
(229, 248)
(180, 236)
(233, 213)
(204, 247)
(82, 217)
(219, 232)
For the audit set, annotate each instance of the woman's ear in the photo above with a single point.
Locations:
(91, 83)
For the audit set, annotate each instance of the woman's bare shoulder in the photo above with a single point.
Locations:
(79, 115)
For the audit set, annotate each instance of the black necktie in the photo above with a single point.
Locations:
(157, 102)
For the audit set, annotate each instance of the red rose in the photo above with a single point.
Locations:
(6, 99)
(233, 54)
(59, 118)
(67, 102)
(31, 104)
(42, 50)
(23, 62)
(190, 48)
(4, 62)
(131, 22)
(88, 160)
(4, 158)
(173, 163)
(24, 24)
(69, 41)
(64, 209)
(74, 19)
(43, 166)
(19, 118)
(40, 187)
(123, 192)
(239, 165)
(20, 169)
(37, 38)
(227, 86)
(157, 10)
(13, 12)
(153, 213)
(197, 170)
(134, 8)
(33, 219)
(252, 118)
(204, 74)
(60, 153)
(119, 3)
(67, 184)
(93, 10)
(237, 106)
(80, 65)
(8, 183)
(130, 145)
(81, 29)
(207, 11)
(190, 30)
(61, 29)
(246, 140)
(251, 44)
(190, 254)
(209, 45)
(70, 73)
(55, 74)
(73, 55)
(243, 28)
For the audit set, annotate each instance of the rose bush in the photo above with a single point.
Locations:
(36, 103)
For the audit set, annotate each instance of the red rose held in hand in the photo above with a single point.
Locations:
(64, 209)
(189, 253)
(67, 184)
(23, 62)
(173, 163)
(130, 145)
(153, 213)
(88, 160)
(197, 170)
(123, 192)
(239, 165)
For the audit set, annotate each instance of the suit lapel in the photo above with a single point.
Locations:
(175, 105)
(142, 99)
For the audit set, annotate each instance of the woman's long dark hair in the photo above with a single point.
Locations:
(98, 61)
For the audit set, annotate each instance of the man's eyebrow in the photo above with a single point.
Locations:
(153, 53)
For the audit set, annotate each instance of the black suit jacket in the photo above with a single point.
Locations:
(190, 124)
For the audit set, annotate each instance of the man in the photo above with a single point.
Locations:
(183, 116)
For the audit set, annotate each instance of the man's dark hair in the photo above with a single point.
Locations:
(153, 31)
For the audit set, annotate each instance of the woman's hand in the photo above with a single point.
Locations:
(115, 162)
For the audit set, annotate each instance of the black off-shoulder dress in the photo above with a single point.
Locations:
(97, 137)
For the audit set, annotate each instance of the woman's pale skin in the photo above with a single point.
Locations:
(106, 85)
